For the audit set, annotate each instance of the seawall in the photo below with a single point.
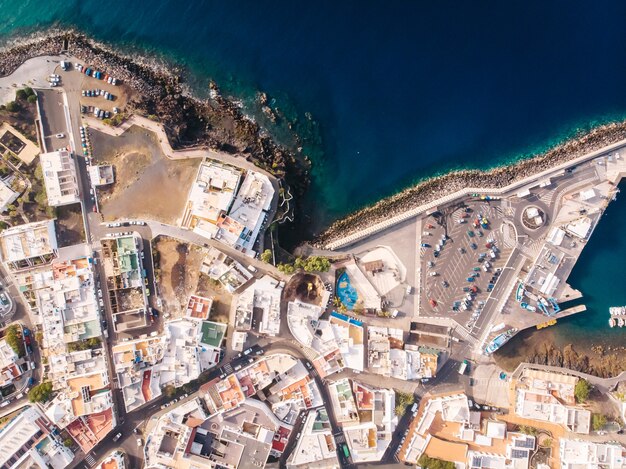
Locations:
(443, 189)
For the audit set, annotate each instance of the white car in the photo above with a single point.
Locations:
(60, 135)
(139, 443)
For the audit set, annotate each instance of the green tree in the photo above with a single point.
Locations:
(39, 172)
(598, 421)
(29, 91)
(532, 431)
(581, 391)
(68, 442)
(93, 342)
(169, 391)
(32, 99)
(266, 256)
(286, 268)
(12, 106)
(432, 463)
(403, 400)
(20, 95)
(14, 339)
(41, 392)
(41, 198)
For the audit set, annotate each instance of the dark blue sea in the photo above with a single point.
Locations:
(385, 94)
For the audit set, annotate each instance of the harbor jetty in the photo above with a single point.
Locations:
(442, 189)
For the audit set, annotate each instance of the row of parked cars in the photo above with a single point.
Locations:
(98, 92)
(101, 114)
(174, 401)
(118, 224)
(55, 80)
(92, 72)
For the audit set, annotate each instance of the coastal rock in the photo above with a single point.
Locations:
(159, 89)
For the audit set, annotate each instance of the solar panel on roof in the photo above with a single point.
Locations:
(519, 453)
(524, 443)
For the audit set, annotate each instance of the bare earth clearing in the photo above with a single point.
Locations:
(147, 184)
(178, 277)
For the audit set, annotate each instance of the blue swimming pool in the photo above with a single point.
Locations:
(346, 292)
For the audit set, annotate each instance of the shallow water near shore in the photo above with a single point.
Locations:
(395, 93)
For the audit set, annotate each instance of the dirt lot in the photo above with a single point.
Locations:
(177, 266)
(69, 225)
(147, 184)
(120, 92)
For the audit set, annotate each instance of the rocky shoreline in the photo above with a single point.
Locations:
(159, 92)
(437, 187)
(598, 360)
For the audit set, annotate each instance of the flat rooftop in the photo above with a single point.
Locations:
(59, 175)
(28, 241)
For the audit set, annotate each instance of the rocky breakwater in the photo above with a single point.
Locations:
(158, 91)
(434, 188)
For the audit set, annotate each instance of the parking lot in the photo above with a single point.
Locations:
(461, 254)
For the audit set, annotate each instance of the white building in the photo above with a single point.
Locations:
(59, 175)
(579, 454)
(211, 195)
(25, 441)
(29, 245)
(241, 227)
(9, 369)
(316, 445)
(222, 206)
(186, 355)
(549, 397)
(7, 196)
(369, 440)
(101, 175)
(264, 294)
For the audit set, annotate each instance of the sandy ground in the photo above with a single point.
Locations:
(147, 184)
(121, 94)
(180, 277)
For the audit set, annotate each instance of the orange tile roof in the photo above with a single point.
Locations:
(446, 450)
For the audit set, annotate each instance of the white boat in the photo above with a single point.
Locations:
(612, 322)
(617, 310)
(620, 322)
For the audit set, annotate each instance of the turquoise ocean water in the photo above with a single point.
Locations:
(386, 94)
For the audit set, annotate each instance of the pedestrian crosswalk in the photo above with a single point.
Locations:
(466, 335)
(89, 459)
